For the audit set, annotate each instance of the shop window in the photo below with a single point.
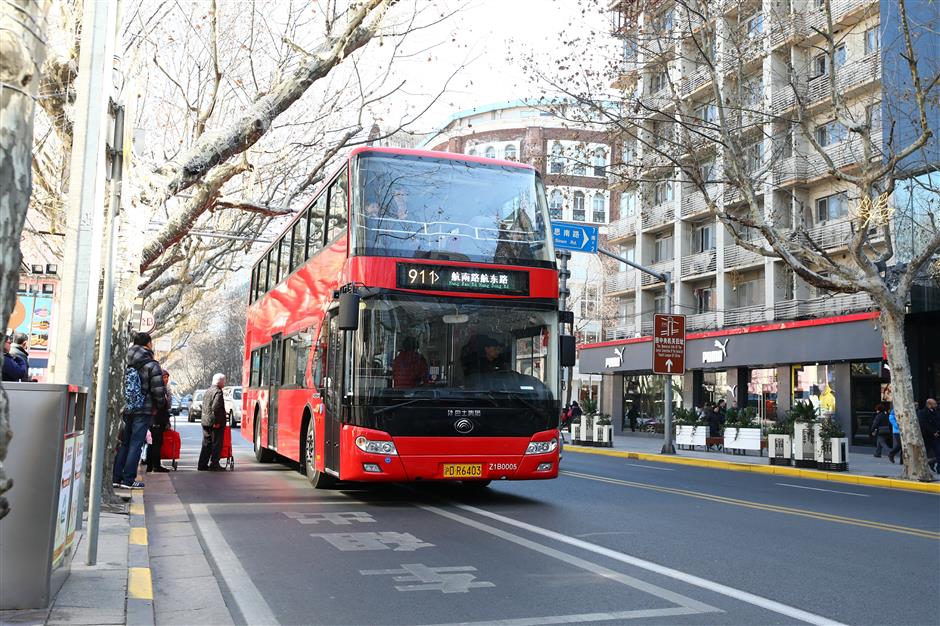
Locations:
(762, 393)
(814, 384)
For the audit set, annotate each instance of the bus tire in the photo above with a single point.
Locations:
(318, 480)
(262, 454)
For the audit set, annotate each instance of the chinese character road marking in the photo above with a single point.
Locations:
(443, 579)
(338, 519)
(348, 542)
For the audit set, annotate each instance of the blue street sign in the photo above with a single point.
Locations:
(577, 237)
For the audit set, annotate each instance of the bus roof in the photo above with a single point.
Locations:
(452, 156)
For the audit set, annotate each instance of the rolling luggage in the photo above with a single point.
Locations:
(227, 448)
(170, 449)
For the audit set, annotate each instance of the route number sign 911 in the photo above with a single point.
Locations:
(432, 277)
(668, 344)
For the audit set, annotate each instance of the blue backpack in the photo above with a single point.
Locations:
(134, 396)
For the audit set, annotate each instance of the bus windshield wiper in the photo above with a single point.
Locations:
(515, 396)
(399, 405)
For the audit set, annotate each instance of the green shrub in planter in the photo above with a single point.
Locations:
(803, 412)
(781, 427)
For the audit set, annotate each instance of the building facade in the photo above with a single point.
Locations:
(573, 160)
(758, 335)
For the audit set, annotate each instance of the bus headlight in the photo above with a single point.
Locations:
(541, 447)
(376, 447)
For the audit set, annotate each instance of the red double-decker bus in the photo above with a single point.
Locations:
(405, 326)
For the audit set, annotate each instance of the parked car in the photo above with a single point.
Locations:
(195, 407)
(186, 401)
(233, 404)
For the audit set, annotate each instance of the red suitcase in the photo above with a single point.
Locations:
(170, 449)
(227, 448)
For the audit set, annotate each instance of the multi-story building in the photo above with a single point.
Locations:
(34, 313)
(758, 335)
(574, 160)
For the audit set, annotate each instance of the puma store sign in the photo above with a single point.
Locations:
(614, 361)
(719, 355)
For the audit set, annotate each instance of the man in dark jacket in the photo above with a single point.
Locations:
(160, 424)
(929, 418)
(137, 421)
(15, 368)
(213, 421)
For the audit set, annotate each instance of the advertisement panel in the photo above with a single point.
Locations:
(65, 489)
(78, 488)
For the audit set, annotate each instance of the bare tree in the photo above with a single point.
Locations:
(879, 146)
(22, 49)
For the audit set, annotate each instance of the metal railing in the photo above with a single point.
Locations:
(831, 234)
(621, 282)
(622, 228)
(622, 331)
(815, 20)
(744, 315)
(789, 170)
(701, 321)
(818, 88)
(693, 202)
(736, 256)
(660, 214)
(662, 266)
(695, 81)
(695, 264)
(824, 305)
(750, 49)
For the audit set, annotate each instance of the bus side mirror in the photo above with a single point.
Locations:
(349, 311)
(567, 349)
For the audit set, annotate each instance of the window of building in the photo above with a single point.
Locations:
(577, 211)
(659, 80)
(510, 152)
(822, 62)
(662, 192)
(832, 207)
(662, 135)
(754, 157)
(472, 152)
(628, 204)
(490, 152)
(628, 152)
(662, 249)
(659, 304)
(830, 133)
(626, 311)
(753, 93)
(629, 253)
(704, 296)
(755, 25)
(558, 161)
(598, 208)
(662, 23)
(872, 40)
(749, 292)
(703, 238)
(708, 172)
(707, 113)
(555, 205)
(590, 301)
(578, 169)
(600, 162)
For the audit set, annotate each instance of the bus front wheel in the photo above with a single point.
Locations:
(262, 454)
(318, 480)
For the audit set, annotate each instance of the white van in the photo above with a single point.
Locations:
(233, 404)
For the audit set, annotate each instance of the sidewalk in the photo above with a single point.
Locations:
(863, 467)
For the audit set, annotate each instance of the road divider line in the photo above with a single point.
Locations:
(690, 579)
(793, 472)
(773, 508)
(251, 603)
(845, 493)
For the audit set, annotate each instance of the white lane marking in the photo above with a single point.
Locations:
(250, 602)
(578, 618)
(661, 469)
(731, 592)
(846, 493)
(693, 606)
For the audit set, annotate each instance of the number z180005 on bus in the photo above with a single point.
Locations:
(405, 326)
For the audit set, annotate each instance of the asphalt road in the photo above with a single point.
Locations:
(608, 542)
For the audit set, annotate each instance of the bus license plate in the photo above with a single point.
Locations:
(463, 470)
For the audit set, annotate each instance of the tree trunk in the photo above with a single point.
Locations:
(22, 50)
(902, 395)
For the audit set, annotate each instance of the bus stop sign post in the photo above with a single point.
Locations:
(666, 277)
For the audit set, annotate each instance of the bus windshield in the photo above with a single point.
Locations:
(417, 350)
(411, 206)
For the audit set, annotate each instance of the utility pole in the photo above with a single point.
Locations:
(563, 292)
(78, 308)
(666, 277)
(104, 346)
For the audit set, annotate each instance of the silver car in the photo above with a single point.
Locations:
(233, 404)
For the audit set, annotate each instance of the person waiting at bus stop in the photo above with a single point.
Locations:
(409, 368)
(213, 423)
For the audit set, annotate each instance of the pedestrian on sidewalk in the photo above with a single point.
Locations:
(160, 424)
(715, 421)
(15, 368)
(213, 422)
(633, 416)
(896, 434)
(881, 431)
(929, 419)
(144, 395)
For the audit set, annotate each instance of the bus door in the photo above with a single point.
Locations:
(333, 399)
(274, 383)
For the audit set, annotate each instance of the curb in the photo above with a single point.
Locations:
(139, 580)
(852, 479)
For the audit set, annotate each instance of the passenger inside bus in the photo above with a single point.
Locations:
(409, 368)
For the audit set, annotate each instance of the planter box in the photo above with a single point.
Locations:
(778, 449)
(804, 444)
(831, 454)
(691, 436)
(742, 439)
(603, 435)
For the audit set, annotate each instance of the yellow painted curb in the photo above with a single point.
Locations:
(871, 481)
(137, 508)
(139, 583)
(138, 536)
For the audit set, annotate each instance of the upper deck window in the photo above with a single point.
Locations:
(419, 207)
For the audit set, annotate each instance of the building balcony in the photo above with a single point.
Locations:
(621, 282)
(831, 234)
(621, 331)
(701, 321)
(698, 264)
(693, 203)
(824, 306)
(750, 50)
(843, 13)
(819, 88)
(662, 266)
(843, 155)
(659, 215)
(621, 229)
(787, 29)
(646, 324)
(789, 171)
(697, 80)
(736, 256)
(744, 315)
